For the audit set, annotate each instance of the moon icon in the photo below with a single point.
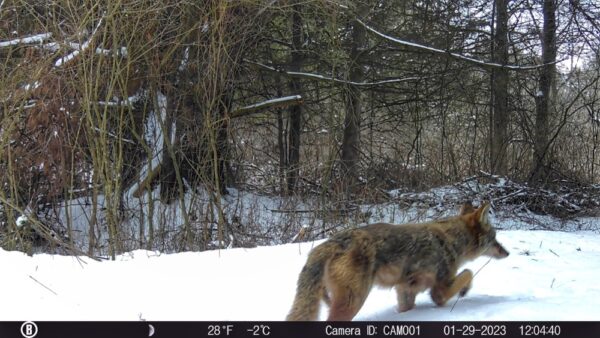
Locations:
(151, 330)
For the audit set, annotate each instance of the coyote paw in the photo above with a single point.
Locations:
(405, 307)
(464, 290)
(438, 296)
(406, 299)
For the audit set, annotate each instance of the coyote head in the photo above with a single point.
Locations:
(479, 224)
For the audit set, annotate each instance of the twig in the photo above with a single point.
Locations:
(486, 263)
(47, 288)
(554, 253)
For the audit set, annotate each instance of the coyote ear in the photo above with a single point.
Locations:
(466, 208)
(483, 214)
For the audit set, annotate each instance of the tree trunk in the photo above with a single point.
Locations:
(222, 151)
(295, 121)
(544, 95)
(350, 156)
(281, 141)
(499, 140)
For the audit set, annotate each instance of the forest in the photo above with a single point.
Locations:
(200, 124)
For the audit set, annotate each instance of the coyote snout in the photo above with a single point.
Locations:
(496, 250)
(411, 258)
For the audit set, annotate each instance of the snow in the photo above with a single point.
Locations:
(122, 51)
(548, 276)
(184, 60)
(21, 220)
(32, 86)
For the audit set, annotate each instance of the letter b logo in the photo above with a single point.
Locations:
(29, 330)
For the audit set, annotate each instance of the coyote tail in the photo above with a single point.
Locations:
(310, 287)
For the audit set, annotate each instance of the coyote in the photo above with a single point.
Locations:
(411, 257)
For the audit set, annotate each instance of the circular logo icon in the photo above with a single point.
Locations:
(29, 329)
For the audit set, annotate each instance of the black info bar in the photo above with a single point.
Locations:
(239, 329)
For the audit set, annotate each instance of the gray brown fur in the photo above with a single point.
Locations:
(411, 258)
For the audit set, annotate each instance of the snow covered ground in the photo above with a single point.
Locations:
(548, 276)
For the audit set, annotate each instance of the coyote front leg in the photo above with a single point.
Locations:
(406, 298)
(444, 289)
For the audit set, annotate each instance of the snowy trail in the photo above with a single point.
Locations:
(548, 276)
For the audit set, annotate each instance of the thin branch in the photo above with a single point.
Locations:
(278, 102)
(269, 5)
(47, 288)
(326, 78)
(448, 53)
(577, 6)
(338, 4)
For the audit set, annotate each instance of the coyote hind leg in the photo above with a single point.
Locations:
(347, 297)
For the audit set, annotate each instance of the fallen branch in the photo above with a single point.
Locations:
(345, 211)
(26, 40)
(518, 192)
(287, 211)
